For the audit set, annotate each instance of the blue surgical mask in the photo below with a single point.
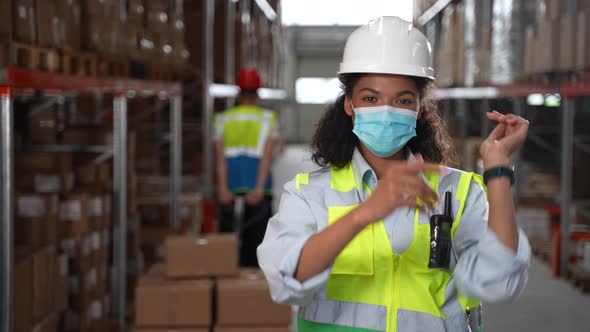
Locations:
(384, 130)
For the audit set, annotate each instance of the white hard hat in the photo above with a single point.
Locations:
(388, 45)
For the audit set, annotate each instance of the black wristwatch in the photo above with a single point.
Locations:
(498, 171)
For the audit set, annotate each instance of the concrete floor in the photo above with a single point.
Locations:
(546, 305)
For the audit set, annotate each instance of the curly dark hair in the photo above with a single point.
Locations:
(334, 142)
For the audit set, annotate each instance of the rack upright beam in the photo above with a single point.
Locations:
(120, 205)
(7, 231)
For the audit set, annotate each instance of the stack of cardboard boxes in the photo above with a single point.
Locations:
(62, 236)
(153, 30)
(200, 287)
(449, 58)
(153, 201)
(539, 36)
(558, 41)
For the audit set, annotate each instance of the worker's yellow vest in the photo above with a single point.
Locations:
(367, 271)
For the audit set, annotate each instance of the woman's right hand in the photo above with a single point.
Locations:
(400, 186)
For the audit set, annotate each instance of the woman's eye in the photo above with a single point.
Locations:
(370, 99)
(406, 101)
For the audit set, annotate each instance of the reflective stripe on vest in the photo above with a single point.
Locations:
(412, 293)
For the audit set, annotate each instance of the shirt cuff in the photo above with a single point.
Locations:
(287, 270)
(505, 256)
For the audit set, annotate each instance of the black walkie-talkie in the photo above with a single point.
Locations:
(440, 237)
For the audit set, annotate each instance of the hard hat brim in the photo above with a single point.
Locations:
(404, 70)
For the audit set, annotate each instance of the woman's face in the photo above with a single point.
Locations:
(382, 89)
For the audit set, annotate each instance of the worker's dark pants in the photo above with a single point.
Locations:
(252, 227)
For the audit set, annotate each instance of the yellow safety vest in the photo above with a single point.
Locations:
(368, 272)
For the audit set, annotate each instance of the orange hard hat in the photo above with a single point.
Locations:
(248, 79)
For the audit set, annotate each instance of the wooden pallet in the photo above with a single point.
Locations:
(580, 277)
(78, 63)
(110, 67)
(161, 73)
(35, 58)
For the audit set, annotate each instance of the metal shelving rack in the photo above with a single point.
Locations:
(571, 103)
(571, 95)
(15, 83)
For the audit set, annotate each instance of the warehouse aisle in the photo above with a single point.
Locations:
(547, 305)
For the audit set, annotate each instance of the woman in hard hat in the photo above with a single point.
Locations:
(381, 239)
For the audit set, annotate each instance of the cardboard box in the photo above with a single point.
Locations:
(169, 330)
(78, 251)
(5, 21)
(36, 220)
(77, 136)
(136, 14)
(96, 212)
(166, 303)
(96, 8)
(74, 215)
(157, 14)
(246, 301)
(529, 54)
(44, 162)
(71, 15)
(86, 174)
(76, 320)
(94, 179)
(24, 21)
(61, 284)
(49, 324)
(550, 32)
(49, 24)
(93, 39)
(556, 8)
(252, 329)
(583, 41)
(43, 283)
(23, 291)
(157, 269)
(154, 235)
(54, 183)
(568, 42)
(210, 256)
(43, 127)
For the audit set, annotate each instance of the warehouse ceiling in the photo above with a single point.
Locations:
(320, 40)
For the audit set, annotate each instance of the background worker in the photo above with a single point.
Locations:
(245, 137)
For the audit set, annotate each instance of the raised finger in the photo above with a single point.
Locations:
(497, 133)
(511, 119)
(493, 116)
(523, 120)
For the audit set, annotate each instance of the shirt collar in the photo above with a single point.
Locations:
(362, 169)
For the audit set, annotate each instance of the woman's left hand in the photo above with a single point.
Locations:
(508, 136)
(254, 197)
